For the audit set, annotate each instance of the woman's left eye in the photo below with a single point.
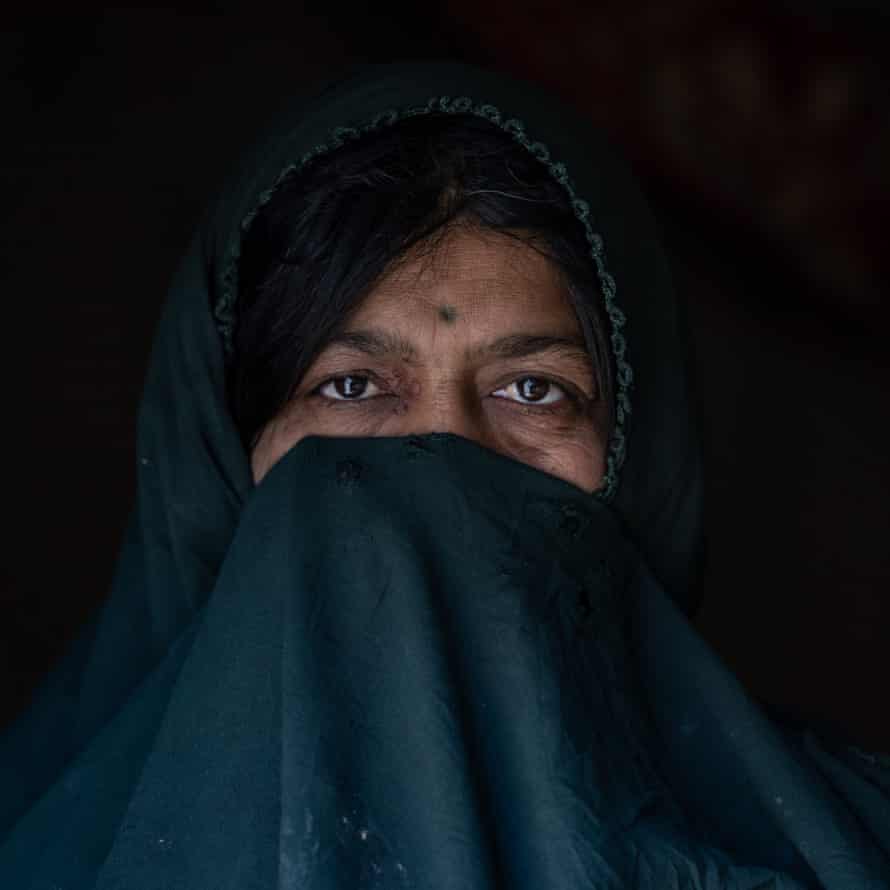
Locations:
(532, 391)
(348, 388)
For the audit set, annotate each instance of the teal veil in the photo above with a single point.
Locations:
(414, 662)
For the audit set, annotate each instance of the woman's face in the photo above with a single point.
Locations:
(479, 340)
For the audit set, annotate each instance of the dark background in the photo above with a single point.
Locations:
(761, 133)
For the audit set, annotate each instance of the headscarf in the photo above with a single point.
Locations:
(414, 662)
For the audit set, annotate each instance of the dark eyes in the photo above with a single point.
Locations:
(349, 388)
(524, 390)
(532, 391)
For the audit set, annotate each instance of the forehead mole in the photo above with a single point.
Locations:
(448, 314)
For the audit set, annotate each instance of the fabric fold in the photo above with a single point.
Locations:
(394, 697)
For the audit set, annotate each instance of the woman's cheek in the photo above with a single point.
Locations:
(368, 417)
(570, 451)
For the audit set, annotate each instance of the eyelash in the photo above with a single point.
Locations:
(569, 396)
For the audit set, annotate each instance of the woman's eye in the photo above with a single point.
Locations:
(532, 391)
(524, 390)
(349, 388)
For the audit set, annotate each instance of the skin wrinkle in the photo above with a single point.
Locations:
(502, 293)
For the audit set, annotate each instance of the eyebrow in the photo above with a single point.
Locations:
(382, 343)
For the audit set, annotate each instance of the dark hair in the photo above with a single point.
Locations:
(330, 232)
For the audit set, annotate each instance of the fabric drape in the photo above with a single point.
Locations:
(413, 662)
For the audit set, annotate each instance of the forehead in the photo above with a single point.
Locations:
(472, 274)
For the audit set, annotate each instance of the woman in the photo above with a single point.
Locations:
(419, 517)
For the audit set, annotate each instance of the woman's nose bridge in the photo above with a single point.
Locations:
(448, 407)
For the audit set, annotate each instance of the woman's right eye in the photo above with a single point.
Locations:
(348, 388)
